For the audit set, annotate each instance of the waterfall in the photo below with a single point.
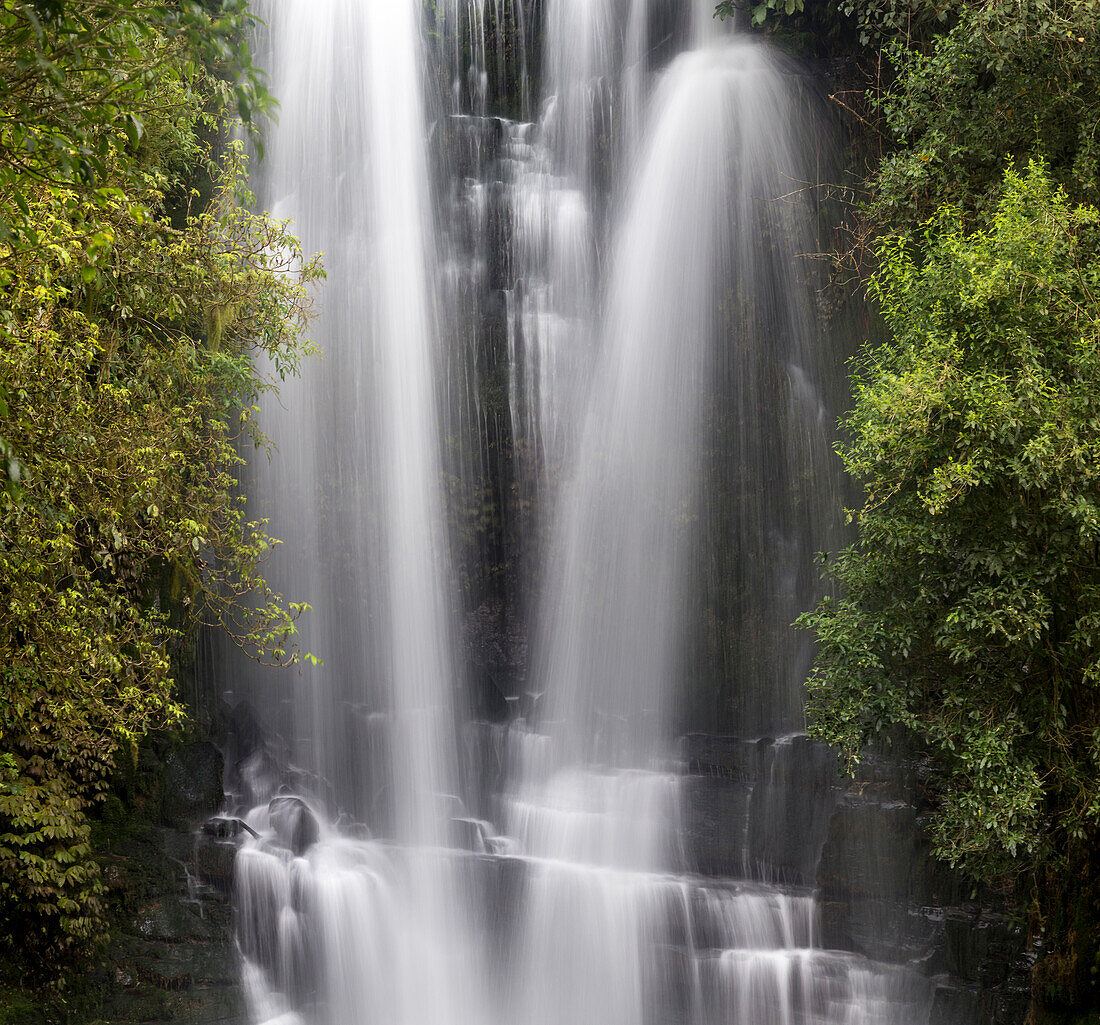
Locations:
(612, 610)
(354, 488)
(561, 471)
(354, 492)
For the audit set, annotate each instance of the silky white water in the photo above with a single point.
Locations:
(565, 322)
(354, 494)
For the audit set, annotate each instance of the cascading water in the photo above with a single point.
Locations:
(354, 489)
(601, 314)
(355, 494)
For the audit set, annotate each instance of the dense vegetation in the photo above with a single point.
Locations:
(135, 290)
(968, 614)
(965, 617)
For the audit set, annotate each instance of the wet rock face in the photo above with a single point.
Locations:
(253, 766)
(884, 895)
(757, 808)
(216, 849)
(172, 955)
(777, 810)
(496, 649)
(192, 784)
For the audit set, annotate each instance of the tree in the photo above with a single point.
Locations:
(1002, 78)
(967, 613)
(80, 79)
(131, 315)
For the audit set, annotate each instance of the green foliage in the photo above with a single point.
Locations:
(968, 611)
(1007, 78)
(817, 29)
(886, 21)
(131, 338)
(80, 80)
(759, 11)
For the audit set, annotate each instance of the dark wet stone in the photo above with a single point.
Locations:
(873, 851)
(214, 861)
(497, 650)
(170, 919)
(294, 823)
(757, 808)
(955, 1004)
(215, 851)
(223, 827)
(468, 834)
(256, 777)
(182, 965)
(244, 734)
(173, 958)
(716, 817)
(192, 784)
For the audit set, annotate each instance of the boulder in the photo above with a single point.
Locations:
(294, 823)
(216, 850)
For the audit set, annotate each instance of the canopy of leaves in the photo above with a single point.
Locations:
(758, 12)
(80, 79)
(133, 321)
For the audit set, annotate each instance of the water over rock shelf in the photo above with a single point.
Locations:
(837, 884)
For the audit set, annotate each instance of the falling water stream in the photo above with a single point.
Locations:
(625, 264)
